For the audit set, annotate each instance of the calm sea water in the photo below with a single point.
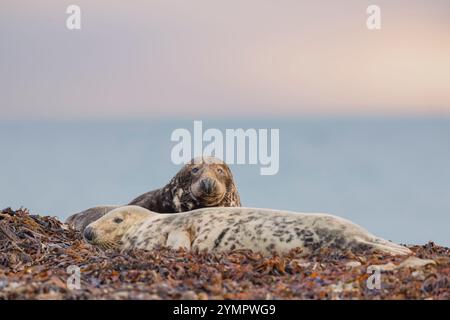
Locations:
(390, 175)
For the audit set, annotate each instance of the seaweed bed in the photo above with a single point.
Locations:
(36, 252)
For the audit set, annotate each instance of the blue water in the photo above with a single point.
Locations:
(390, 175)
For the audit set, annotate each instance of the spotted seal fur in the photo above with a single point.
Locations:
(226, 229)
(203, 182)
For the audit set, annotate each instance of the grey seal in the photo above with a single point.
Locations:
(203, 182)
(226, 229)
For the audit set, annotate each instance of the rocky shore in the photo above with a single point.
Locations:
(40, 256)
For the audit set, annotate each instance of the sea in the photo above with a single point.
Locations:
(389, 174)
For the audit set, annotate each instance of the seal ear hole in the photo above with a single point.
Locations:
(118, 220)
(220, 170)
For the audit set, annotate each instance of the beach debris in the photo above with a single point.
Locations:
(353, 264)
(410, 262)
(414, 262)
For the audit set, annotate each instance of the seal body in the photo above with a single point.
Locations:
(226, 229)
(204, 182)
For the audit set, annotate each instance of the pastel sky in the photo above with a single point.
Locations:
(164, 58)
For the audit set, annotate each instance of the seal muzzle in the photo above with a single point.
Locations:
(208, 185)
(89, 234)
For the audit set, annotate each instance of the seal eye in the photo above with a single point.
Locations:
(194, 170)
(118, 220)
(219, 170)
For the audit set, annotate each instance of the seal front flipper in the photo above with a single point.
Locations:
(177, 239)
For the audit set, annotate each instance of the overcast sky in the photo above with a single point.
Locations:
(147, 59)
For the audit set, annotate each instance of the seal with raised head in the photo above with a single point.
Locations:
(203, 182)
(225, 229)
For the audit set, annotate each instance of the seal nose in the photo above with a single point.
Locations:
(207, 185)
(89, 234)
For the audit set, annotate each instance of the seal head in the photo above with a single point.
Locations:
(203, 182)
(209, 181)
(107, 232)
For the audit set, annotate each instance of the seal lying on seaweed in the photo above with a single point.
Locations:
(203, 182)
(225, 229)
